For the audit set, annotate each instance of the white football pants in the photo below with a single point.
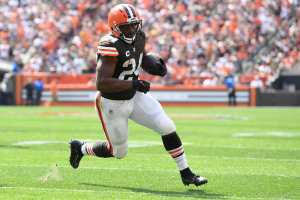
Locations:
(142, 108)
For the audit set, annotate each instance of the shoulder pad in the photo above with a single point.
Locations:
(107, 46)
(107, 40)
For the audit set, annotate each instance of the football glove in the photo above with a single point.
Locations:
(140, 85)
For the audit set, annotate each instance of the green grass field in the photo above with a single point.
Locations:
(246, 153)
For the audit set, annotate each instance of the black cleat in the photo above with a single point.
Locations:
(194, 179)
(188, 177)
(75, 153)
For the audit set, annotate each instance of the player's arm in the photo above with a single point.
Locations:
(154, 65)
(104, 76)
(105, 82)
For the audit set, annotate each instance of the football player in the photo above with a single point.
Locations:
(122, 96)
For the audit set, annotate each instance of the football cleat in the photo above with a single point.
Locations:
(75, 153)
(194, 179)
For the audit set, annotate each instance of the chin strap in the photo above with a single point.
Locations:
(128, 40)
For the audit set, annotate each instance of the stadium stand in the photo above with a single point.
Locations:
(203, 40)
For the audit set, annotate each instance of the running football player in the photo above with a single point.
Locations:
(122, 96)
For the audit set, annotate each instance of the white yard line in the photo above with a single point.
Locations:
(127, 192)
(279, 134)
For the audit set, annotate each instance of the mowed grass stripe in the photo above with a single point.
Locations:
(62, 190)
(242, 184)
(150, 156)
(264, 166)
(236, 171)
(153, 185)
(221, 153)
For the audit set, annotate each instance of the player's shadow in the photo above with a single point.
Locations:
(190, 193)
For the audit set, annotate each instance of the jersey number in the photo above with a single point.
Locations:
(131, 69)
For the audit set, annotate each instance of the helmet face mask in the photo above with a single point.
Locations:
(128, 31)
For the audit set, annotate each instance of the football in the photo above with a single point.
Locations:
(154, 65)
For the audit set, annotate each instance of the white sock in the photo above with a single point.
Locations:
(181, 162)
(83, 149)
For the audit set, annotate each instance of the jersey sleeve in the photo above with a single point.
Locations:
(107, 47)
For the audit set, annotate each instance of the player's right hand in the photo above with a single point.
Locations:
(140, 85)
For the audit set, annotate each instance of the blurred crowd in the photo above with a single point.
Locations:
(202, 40)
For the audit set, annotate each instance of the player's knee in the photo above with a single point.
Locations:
(120, 151)
(166, 125)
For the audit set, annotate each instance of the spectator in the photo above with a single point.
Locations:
(6, 89)
(29, 89)
(2, 95)
(38, 88)
(195, 36)
(256, 83)
(230, 85)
